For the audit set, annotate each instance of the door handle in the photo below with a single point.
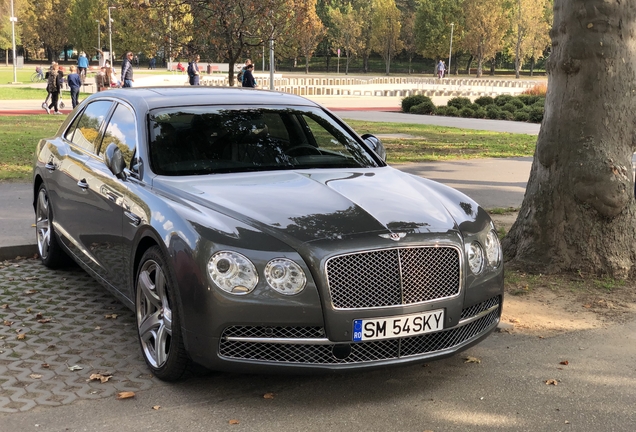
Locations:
(82, 184)
(50, 166)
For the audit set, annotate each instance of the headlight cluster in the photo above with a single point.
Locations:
(489, 253)
(236, 274)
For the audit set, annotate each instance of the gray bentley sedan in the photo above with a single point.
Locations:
(253, 230)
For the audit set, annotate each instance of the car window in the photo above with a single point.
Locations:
(85, 130)
(122, 131)
(189, 141)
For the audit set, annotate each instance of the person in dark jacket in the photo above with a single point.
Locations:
(127, 70)
(54, 83)
(74, 82)
(248, 77)
(193, 70)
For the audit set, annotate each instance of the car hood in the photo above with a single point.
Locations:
(320, 204)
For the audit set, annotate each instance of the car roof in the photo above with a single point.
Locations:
(156, 97)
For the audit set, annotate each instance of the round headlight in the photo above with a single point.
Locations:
(285, 276)
(475, 258)
(232, 272)
(493, 249)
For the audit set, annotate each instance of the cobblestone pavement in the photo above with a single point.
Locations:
(56, 329)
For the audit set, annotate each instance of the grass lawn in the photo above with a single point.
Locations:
(20, 134)
(19, 93)
(417, 143)
(18, 137)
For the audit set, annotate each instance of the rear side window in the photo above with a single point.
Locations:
(122, 132)
(85, 130)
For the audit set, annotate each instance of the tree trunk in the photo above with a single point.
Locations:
(579, 212)
(306, 64)
(517, 57)
(492, 67)
(469, 63)
(480, 64)
(532, 66)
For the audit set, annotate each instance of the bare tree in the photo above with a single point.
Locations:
(579, 210)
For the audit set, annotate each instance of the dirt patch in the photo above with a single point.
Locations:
(546, 305)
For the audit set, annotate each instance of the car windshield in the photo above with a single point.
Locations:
(207, 140)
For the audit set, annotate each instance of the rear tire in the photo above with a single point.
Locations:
(158, 320)
(51, 253)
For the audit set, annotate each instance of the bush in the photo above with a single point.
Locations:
(410, 101)
(539, 103)
(516, 102)
(451, 111)
(426, 107)
(466, 112)
(501, 100)
(522, 116)
(509, 107)
(474, 106)
(536, 115)
(458, 102)
(506, 115)
(480, 113)
(484, 101)
(440, 111)
(492, 112)
(528, 99)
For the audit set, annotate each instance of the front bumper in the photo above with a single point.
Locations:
(252, 348)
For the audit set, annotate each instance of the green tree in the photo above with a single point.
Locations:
(485, 28)
(385, 32)
(433, 21)
(312, 31)
(345, 32)
(579, 210)
(529, 30)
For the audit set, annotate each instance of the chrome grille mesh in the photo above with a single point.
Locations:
(360, 352)
(393, 277)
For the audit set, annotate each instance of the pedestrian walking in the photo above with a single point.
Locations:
(74, 83)
(193, 70)
(54, 83)
(127, 70)
(248, 77)
(239, 76)
(82, 65)
(441, 68)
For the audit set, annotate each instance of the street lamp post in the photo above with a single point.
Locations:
(110, 37)
(450, 52)
(13, 20)
(99, 41)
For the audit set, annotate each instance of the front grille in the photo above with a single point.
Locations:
(360, 352)
(393, 277)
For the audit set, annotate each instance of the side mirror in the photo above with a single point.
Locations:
(115, 161)
(376, 145)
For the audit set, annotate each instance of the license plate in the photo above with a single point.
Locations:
(399, 326)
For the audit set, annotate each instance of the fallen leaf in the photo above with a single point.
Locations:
(156, 407)
(44, 321)
(471, 360)
(234, 421)
(565, 362)
(75, 368)
(551, 382)
(28, 310)
(5, 306)
(268, 396)
(21, 336)
(38, 315)
(103, 377)
(587, 306)
(45, 365)
(7, 323)
(35, 376)
(567, 422)
(125, 395)
(110, 316)
(98, 328)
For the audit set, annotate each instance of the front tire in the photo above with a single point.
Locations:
(49, 247)
(158, 320)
